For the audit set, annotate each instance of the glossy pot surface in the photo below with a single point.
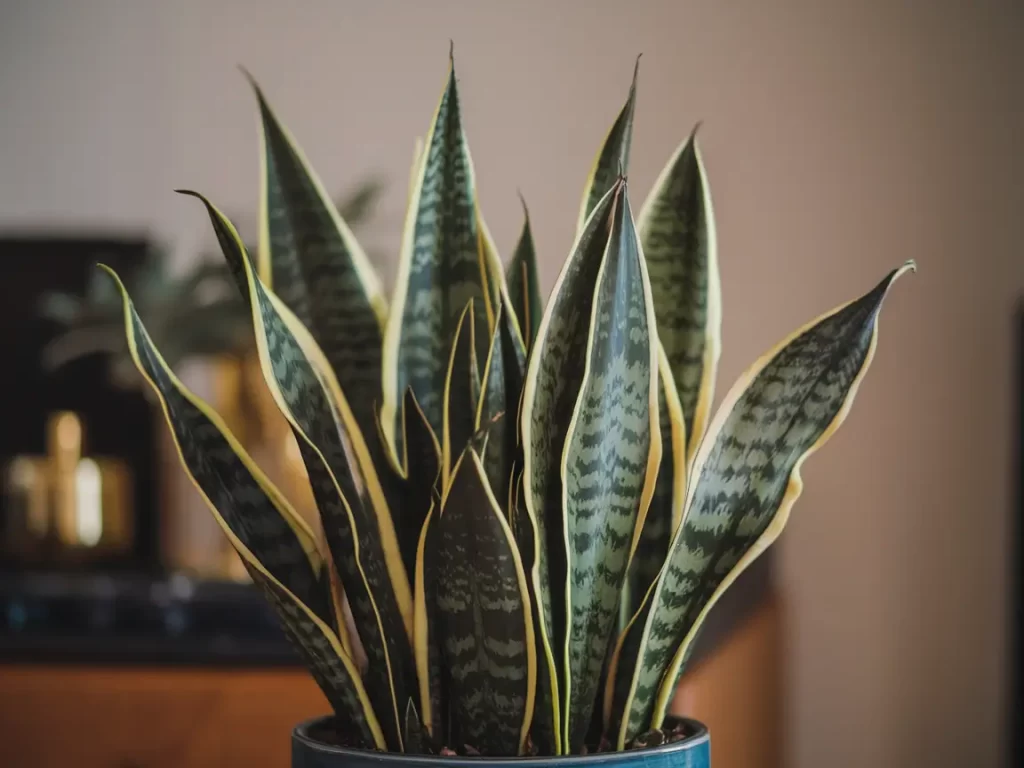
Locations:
(692, 752)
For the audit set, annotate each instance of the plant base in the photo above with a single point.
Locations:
(312, 748)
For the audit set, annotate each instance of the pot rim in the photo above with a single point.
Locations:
(301, 734)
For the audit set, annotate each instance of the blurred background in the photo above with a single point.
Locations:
(840, 138)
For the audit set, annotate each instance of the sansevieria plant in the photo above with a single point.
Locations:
(527, 511)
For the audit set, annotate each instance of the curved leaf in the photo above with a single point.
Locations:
(356, 523)
(276, 547)
(677, 230)
(441, 269)
(610, 463)
(483, 617)
(612, 160)
(318, 268)
(746, 478)
(243, 500)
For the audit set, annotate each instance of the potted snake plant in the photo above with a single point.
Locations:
(526, 507)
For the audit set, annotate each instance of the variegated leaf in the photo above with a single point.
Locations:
(667, 504)
(610, 462)
(356, 522)
(243, 500)
(328, 663)
(677, 230)
(745, 480)
(498, 408)
(612, 160)
(483, 617)
(554, 377)
(441, 269)
(421, 476)
(461, 393)
(432, 684)
(314, 264)
(524, 283)
(276, 547)
(547, 716)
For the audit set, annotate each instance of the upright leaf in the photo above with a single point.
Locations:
(524, 284)
(276, 547)
(484, 618)
(666, 507)
(499, 405)
(426, 641)
(356, 521)
(746, 478)
(441, 269)
(319, 269)
(552, 386)
(546, 728)
(610, 462)
(421, 476)
(612, 160)
(461, 393)
(677, 230)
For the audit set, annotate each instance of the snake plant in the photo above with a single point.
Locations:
(527, 509)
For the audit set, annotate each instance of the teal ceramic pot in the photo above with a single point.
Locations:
(692, 752)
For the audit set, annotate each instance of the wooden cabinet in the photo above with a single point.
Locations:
(131, 717)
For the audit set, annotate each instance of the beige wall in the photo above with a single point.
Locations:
(840, 141)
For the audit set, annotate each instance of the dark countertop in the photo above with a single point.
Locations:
(134, 619)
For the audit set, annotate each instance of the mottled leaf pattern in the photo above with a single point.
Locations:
(276, 548)
(243, 500)
(319, 270)
(461, 393)
(746, 479)
(553, 379)
(498, 408)
(524, 283)
(667, 504)
(327, 662)
(611, 460)
(677, 230)
(483, 617)
(441, 269)
(362, 544)
(612, 159)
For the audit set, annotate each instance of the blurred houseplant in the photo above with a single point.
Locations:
(525, 512)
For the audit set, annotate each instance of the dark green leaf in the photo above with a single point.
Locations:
(442, 267)
(461, 393)
(612, 159)
(319, 270)
(524, 284)
(483, 617)
(357, 526)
